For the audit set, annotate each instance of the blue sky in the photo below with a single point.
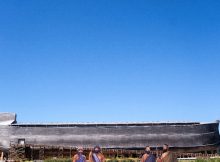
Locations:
(110, 60)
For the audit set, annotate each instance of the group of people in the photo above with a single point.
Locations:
(167, 156)
(96, 155)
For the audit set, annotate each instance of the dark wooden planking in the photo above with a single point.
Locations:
(114, 137)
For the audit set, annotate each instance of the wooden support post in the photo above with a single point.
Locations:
(70, 152)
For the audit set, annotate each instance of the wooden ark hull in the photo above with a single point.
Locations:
(127, 136)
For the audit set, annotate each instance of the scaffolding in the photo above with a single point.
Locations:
(24, 152)
(17, 152)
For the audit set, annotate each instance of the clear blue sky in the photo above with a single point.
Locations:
(110, 60)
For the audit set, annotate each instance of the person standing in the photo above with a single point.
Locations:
(167, 155)
(96, 155)
(79, 157)
(148, 156)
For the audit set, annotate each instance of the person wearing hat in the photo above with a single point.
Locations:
(79, 157)
(95, 155)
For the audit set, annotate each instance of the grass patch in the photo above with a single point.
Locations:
(58, 160)
(201, 160)
(208, 160)
(123, 160)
